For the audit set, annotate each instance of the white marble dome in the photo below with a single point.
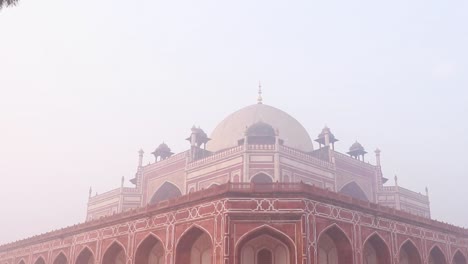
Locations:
(233, 127)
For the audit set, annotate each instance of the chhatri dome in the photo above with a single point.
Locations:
(233, 128)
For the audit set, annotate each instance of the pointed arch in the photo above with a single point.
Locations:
(334, 246)
(436, 256)
(459, 258)
(86, 256)
(40, 260)
(261, 177)
(167, 191)
(250, 244)
(150, 251)
(376, 250)
(22, 261)
(60, 259)
(409, 253)
(354, 190)
(195, 246)
(114, 254)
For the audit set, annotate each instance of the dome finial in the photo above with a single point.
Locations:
(260, 99)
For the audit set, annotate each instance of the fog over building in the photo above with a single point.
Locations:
(256, 190)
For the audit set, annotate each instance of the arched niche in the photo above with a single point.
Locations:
(376, 251)
(150, 251)
(165, 192)
(409, 254)
(194, 247)
(261, 178)
(254, 246)
(352, 189)
(85, 257)
(60, 259)
(21, 262)
(436, 256)
(334, 247)
(40, 260)
(264, 249)
(459, 258)
(115, 254)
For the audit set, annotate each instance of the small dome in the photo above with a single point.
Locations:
(260, 129)
(356, 147)
(163, 147)
(232, 128)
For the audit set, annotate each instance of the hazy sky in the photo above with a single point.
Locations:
(85, 84)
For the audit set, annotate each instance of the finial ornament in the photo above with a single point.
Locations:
(260, 99)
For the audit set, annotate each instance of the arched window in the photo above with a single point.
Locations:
(85, 257)
(334, 247)
(261, 178)
(409, 254)
(61, 259)
(165, 192)
(194, 247)
(376, 251)
(150, 251)
(458, 258)
(353, 190)
(436, 256)
(115, 254)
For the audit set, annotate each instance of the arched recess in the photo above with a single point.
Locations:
(436, 256)
(254, 246)
(376, 251)
(261, 178)
(21, 262)
(165, 192)
(85, 257)
(352, 189)
(334, 247)
(115, 254)
(40, 260)
(150, 251)
(194, 247)
(459, 258)
(60, 259)
(409, 254)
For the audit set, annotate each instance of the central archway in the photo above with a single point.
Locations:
(459, 258)
(85, 257)
(265, 245)
(61, 259)
(40, 260)
(376, 251)
(194, 247)
(436, 256)
(352, 189)
(150, 251)
(165, 192)
(409, 254)
(115, 254)
(261, 178)
(334, 247)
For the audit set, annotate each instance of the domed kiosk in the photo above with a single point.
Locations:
(233, 128)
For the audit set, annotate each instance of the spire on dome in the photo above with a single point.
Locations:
(260, 99)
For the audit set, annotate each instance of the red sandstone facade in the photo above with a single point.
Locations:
(258, 193)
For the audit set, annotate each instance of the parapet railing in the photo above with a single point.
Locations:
(177, 157)
(304, 156)
(352, 160)
(215, 156)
